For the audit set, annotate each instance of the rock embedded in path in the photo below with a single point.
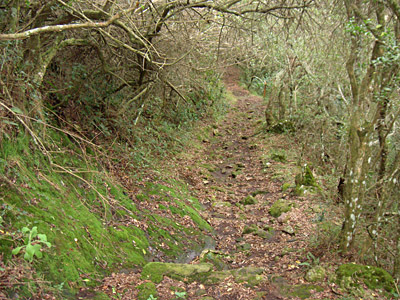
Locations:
(243, 247)
(289, 230)
(315, 274)
(283, 218)
(155, 271)
(249, 200)
(250, 229)
(267, 235)
(279, 207)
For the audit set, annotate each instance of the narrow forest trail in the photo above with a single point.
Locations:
(235, 179)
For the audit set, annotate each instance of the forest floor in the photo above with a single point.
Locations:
(235, 165)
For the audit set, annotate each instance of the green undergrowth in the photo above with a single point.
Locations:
(93, 225)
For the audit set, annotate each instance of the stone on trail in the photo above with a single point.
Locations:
(250, 229)
(203, 272)
(155, 271)
(289, 230)
(279, 207)
(249, 200)
(315, 274)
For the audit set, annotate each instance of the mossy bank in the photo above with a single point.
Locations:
(93, 224)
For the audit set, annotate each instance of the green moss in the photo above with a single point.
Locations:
(250, 229)
(194, 215)
(146, 290)
(155, 271)
(305, 179)
(210, 168)
(219, 189)
(249, 200)
(315, 274)
(279, 207)
(259, 192)
(215, 259)
(373, 277)
(142, 197)
(279, 156)
(303, 291)
(101, 296)
(69, 212)
(81, 217)
(285, 187)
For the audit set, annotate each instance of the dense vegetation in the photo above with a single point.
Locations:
(95, 94)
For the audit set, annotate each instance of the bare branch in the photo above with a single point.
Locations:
(61, 28)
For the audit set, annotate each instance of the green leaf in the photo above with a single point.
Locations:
(10, 123)
(16, 250)
(42, 237)
(180, 294)
(30, 250)
(47, 244)
(28, 257)
(39, 254)
(34, 231)
(25, 230)
(17, 110)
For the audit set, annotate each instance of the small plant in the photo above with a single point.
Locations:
(151, 297)
(180, 295)
(33, 243)
(312, 261)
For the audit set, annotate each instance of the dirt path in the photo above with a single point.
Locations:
(236, 160)
(234, 177)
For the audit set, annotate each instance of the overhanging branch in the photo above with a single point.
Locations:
(61, 28)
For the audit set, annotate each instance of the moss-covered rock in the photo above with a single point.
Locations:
(249, 200)
(279, 207)
(315, 274)
(214, 257)
(289, 230)
(203, 272)
(244, 247)
(302, 291)
(250, 229)
(374, 277)
(155, 271)
(265, 234)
